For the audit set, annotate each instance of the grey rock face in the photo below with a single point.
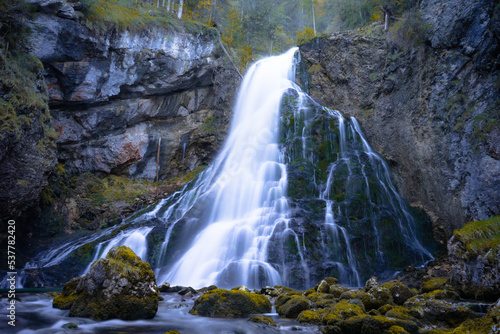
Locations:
(476, 275)
(425, 109)
(113, 96)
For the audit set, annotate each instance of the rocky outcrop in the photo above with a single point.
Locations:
(431, 111)
(114, 95)
(120, 286)
(474, 252)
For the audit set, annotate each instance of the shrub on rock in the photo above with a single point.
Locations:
(230, 303)
(120, 286)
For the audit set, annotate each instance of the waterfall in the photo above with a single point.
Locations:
(296, 194)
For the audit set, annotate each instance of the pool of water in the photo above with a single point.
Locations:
(34, 314)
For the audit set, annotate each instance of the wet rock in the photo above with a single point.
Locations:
(261, 319)
(230, 303)
(375, 324)
(120, 286)
(421, 106)
(371, 283)
(439, 311)
(337, 290)
(187, 290)
(70, 325)
(377, 297)
(164, 287)
(400, 292)
(293, 305)
(434, 283)
(474, 252)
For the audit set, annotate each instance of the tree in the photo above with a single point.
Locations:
(181, 5)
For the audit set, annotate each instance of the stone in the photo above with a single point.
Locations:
(164, 287)
(261, 319)
(377, 297)
(474, 252)
(230, 303)
(371, 283)
(70, 325)
(120, 286)
(293, 306)
(400, 292)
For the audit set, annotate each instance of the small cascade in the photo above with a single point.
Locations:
(295, 195)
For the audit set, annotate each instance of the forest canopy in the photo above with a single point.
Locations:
(253, 28)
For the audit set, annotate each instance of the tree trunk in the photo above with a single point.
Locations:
(180, 9)
(168, 6)
(314, 18)
(386, 24)
(163, 3)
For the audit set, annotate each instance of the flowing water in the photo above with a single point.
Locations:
(296, 194)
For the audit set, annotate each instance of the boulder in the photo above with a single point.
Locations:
(120, 286)
(293, 306)
(261, 319)
(376, 297)
(438, 312)
(230, 303)
(400, 292)
(474, 252)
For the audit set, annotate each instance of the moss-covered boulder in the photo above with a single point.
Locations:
(376, 297)
(230, 303)
(399, 292)
(438, 311)
(365, 324)
(337, 290)
(120, 286)
(434, 283)
(293, 305)
(488, 324)
(474, 252)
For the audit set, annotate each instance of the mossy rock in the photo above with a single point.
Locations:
(365, 324)
(329, 281)
(293, 306)
(346, 309)
(488, 324)
(230, 303)
(70, 325)
(396, 330)
(400, 312)
(400, 292)
(337, 290)
(172, 332)
(377, 297)
(262, 319)
(314, 317)
(448, 293)
(434, 283)
(321, 300)
(120, 286)
(439, 311)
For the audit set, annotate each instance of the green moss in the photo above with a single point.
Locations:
(228, 303)
(309, 316)
(293, 306)
(263, 320)
(434, 283)
(480, 237)
(396, 330)
(399, 312)
(347, 309)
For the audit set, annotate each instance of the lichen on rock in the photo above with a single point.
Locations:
(120, 286)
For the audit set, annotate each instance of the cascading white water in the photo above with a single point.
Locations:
(249, 189)
(234, 226)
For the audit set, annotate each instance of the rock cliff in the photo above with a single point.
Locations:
(113, 94)
(430, 110)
